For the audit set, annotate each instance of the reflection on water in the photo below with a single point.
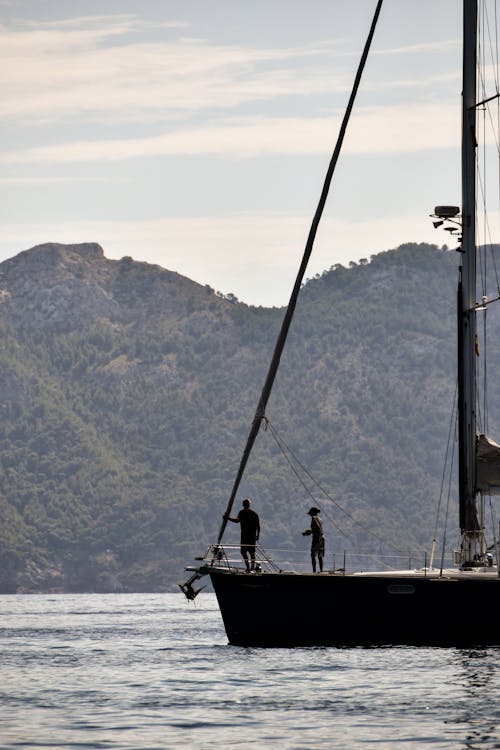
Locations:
(154, 671)
(476, 720)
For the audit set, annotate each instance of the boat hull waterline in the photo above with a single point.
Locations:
(412, 608)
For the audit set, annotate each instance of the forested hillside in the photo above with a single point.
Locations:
(127, 392)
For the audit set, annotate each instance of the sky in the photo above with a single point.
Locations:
(196, 135)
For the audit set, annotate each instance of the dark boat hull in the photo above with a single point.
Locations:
(288, 609)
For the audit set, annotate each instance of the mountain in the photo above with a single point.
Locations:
(128, 392)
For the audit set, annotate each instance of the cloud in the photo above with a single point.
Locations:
(86, 95)
(395, 129)
(29, 180)
(427, 47)
(108, 69)
(94, 67)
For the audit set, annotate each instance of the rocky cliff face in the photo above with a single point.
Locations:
(64, 286)
(52, 285)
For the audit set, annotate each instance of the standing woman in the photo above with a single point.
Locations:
(318, 540)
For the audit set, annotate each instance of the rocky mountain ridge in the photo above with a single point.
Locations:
(127, 392)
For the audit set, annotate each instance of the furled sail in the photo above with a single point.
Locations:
(487, 465)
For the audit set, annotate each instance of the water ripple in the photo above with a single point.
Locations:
(150, 672)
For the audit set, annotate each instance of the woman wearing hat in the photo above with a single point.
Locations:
(318, 540)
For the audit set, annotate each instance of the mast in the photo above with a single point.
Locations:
(471, 536)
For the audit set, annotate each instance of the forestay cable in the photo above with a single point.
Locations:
(266, 391)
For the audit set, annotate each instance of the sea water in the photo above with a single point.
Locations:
(155, 671)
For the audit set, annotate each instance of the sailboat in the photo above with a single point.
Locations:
(428, 606)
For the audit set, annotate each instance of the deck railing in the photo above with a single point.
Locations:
(298, 560)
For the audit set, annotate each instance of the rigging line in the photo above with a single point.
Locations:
(494, 54)
(479, 415)
(489, 244)
(325, 492)
(481, 74)
(266, 390)
(308, 491)
(306, 471)
(482, 256)
(494, 129)
(485, 375)
(496, 65)
(497, 73)
(492, 256)
(448, 443)
(487, 32)
(489, 301)
(488, 99)
(480, 71)
(498, 177)
(482, 260)
(481, 164)
(445, 530)
(497, 134)
(482, 86)
(492, 519)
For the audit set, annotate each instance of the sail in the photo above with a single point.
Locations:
(487, 465)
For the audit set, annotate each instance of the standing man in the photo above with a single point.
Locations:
(250, 531)
(318, 540)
